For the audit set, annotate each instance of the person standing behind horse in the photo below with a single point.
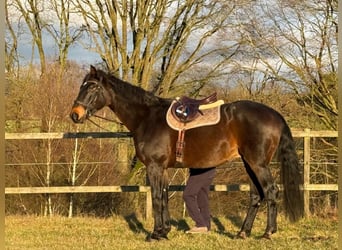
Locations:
(196, 198)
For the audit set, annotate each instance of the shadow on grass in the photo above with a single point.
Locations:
(180, 225)
(221, 229)
(134, 224)
(235, 220)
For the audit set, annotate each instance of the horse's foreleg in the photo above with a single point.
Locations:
(165, 205)
(159, 190)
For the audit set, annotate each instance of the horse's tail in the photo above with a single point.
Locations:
(291, 176)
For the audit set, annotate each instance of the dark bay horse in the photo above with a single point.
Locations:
(247, 129)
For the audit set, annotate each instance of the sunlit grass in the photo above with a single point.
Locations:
(117, 232)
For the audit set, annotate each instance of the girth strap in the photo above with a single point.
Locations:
(180, 146)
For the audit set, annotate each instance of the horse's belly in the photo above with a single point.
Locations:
(208, 155)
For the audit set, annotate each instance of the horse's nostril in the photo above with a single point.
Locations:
(78, 114)
(74, 116)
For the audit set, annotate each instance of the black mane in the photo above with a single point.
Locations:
(131, 92)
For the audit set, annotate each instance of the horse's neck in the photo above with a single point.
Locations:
(129, 113)
(131, 104)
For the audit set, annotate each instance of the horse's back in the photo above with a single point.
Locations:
(253, 115)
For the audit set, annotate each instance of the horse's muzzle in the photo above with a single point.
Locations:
(78, 114)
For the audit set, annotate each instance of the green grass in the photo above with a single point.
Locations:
(30, 232)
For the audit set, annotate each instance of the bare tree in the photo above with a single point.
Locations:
(295, 44)
(31, 11)
(63, 33)
(11, 44)
(45, 21)
(161, 38)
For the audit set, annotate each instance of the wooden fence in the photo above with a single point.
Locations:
(306, 134)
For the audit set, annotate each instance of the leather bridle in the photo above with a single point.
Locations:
(93, 93)
(92, 100)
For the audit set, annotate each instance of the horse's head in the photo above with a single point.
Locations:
(92, 96)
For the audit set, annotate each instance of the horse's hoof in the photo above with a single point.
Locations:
(148, 238)
(267, 236)
(151, 237)
(164, 237)
(241, 235)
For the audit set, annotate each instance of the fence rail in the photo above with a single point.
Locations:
(73, 135)
(67, 135)
(145, 189)
(306, 134)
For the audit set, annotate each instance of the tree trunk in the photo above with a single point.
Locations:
(73, 178)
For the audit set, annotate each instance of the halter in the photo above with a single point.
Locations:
(86, 105)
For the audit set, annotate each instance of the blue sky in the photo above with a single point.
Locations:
(76, 51)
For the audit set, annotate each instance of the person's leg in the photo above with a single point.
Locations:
(203, 205)
(203, 197)
(190, 193)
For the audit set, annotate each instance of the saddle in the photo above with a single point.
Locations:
(186, 113)
(186, 109)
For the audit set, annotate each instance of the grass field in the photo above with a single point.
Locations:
(117, 232)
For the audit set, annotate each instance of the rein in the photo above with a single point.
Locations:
(103, 118)
(107, 119)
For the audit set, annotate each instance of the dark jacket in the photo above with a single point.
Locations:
(196, 171)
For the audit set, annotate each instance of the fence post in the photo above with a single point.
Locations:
(148, 205)
(306, 172)
(148, 199)
(122, 154)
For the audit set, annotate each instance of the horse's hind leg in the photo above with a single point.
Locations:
(263, 188)
(254, 204)
(271, 191)
(256, 196)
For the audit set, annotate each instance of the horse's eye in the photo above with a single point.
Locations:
(93, 87)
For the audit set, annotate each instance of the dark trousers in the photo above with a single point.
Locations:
(196, 196)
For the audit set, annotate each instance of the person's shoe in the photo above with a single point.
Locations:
(197, 230)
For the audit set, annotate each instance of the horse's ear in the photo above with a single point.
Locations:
(92, 70)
